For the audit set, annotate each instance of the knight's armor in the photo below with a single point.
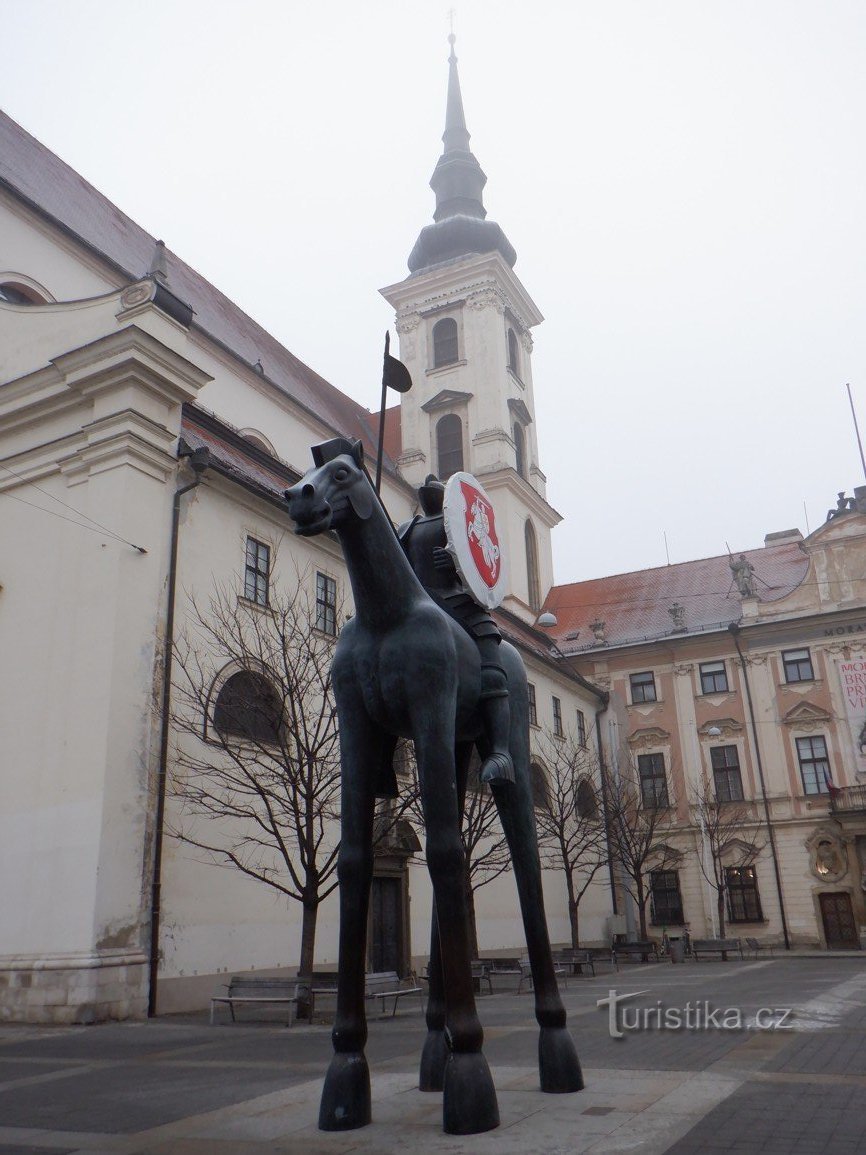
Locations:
(424, 542)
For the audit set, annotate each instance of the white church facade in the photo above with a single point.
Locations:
(147, 430)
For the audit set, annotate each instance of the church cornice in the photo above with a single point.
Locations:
(455, 282)
(509, 479)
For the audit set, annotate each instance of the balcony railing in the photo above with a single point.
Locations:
(848, 799)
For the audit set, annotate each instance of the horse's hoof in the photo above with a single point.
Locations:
(469, 1105)
(346, 1094)
(558, 1064)
(433, 1059)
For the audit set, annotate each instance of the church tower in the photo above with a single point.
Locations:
(464, 321)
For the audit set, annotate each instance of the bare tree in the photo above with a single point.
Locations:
(571, 831)
(729, 832)
(257, 768)
(485, 849)
(638, 819)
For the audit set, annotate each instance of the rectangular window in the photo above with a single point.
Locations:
(726, 773)
(814, 765)
(798, 666)
(666, 902)
(557, 718)
(714, 678)
(653, 782)
(581, 727)
(326, 604)
(744, 902)
(256, 571)
(643, 687)
(533, 707)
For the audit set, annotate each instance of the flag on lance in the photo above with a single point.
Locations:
(473, 541)
(852, 678)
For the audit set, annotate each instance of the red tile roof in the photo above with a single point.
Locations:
(57, 192)
(634, 606)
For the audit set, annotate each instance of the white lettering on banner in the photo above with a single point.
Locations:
(852, 679)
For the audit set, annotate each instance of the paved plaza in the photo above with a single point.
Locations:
(771, 1058)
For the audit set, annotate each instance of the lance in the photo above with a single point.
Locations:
(395, 376)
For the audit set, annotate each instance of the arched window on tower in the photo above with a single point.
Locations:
(445, 347)
(248, 707)
(532, 578)
(519, 449)
(449, 445)
(513, 353)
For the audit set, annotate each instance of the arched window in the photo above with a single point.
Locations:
(586, 802)
(248, 706)
(513, 353)
(17, 294)
(532, 579)
(449, 445)
(538, 782)
(519, 449)
(445, 351)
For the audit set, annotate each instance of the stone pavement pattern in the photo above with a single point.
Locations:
(176, 1086)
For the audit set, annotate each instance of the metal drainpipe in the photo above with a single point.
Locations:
(734, 630)
(198, 461)
(603, 769)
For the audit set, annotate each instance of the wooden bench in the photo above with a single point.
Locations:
(559, 969)
(258, 991)
(377, 985)
(574, 960)
(632, 949)
(716, 946)
(757, 947)
(497, 967)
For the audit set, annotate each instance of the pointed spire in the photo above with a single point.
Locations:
(455, 135)
(458, 182)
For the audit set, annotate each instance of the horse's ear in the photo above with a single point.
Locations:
(358, 453)
(361, 497)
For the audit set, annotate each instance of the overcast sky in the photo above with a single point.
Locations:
(684, 183)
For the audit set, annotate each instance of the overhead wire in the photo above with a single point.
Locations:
(94, 527)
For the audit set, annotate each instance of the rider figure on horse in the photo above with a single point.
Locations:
(424, 543)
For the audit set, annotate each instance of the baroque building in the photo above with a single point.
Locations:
(743, 679)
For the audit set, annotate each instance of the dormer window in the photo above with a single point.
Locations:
(513, 353)
(445, 344)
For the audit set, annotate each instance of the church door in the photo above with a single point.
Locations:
(838, 917)
(386, 925)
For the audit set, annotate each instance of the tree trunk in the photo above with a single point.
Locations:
(641, 909)
(573, 916)
(720, 906)
(308, 937)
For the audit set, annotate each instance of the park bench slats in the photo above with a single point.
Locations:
(721, 946)
(246, 990)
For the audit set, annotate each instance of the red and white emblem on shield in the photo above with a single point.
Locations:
(470, 526)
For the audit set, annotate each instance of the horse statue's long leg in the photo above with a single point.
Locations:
(558, 1064)
(345, 1102)
(469, 1100)
(434, 1056)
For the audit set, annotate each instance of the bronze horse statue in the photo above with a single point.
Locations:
(404, 669)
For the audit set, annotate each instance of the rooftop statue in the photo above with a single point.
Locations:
(406, 668)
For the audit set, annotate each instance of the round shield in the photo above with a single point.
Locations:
(470, 527)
